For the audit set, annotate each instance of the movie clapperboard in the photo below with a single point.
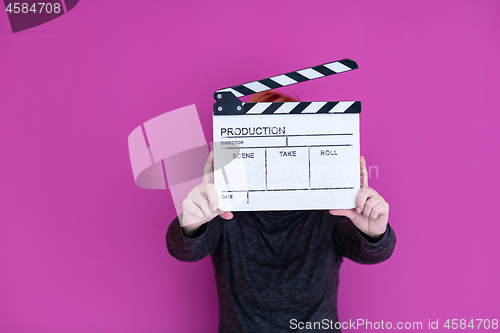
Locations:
(286, 155)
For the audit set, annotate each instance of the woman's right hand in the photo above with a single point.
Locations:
(201, 204)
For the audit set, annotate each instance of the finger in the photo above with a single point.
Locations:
(212, 196)
(202, 202)
(225, 215)
(349, 213)
(364, 194)
(370, 204)
(381, 209)
(208, 169)
(363, 172)
(189, 207)
(375, 212)
(361, 199)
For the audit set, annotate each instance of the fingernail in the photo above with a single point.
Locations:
(358, 210)
(214, 208)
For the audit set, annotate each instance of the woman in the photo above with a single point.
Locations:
(278, 270)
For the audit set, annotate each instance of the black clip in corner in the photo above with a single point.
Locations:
(227, 104)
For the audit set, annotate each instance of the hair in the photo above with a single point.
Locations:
(271, 96)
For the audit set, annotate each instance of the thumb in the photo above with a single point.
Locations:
(225, 215)
(350, 213)
(208, 169)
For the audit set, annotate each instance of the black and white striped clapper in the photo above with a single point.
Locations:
(228, 103)
(286, 155)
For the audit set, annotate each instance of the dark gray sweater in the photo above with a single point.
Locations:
(275, 266)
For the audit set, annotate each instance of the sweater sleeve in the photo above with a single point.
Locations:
(351, 243)
(193, 249)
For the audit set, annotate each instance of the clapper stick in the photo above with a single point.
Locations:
(228, 103)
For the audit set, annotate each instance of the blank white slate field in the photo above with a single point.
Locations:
(320, 140)
(334, 167)
(287, 168)
(245, 169)
(232, 197)
(242, 141)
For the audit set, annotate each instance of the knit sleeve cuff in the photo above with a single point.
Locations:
(379, 241)
(200, 232)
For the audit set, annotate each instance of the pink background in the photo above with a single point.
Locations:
(82, 248)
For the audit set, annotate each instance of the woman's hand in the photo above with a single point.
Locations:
(372, 211)
(201, 204)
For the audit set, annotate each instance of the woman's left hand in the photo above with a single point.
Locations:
(372, 211)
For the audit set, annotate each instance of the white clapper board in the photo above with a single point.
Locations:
(286, 155)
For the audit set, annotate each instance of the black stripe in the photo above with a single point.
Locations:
(324, 70)
(270, 83)
(300, 107)
(273, 107)
(354, 108)
(248, 106)
(327, 107)
(297, 77)
(349, 63)
(244, 90)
